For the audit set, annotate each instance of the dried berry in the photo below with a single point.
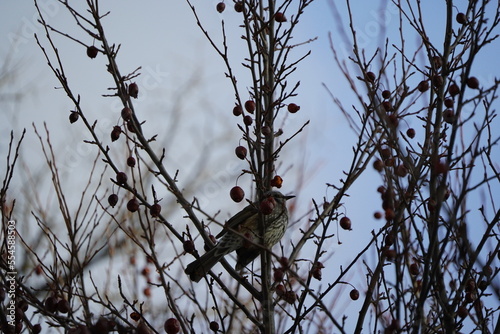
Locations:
(126, 114)
(473, 83)
(115, 133)
(290, 297)
(280, 17)
(423, 86)
(438, 62)
(386, 94)
(238, 6)
(401, 171)
(131, 161)
(113, 199)
(377, 215)
(267, 205)
(155, 210)
(214, 326)
(73, 117)
(37, 328)
(278, 275)
(453, 89)
(133, 205)
(277, 181)
(354, 294)
(188, 246)
(370, 76)
(316, 270)
(449, 116)
(63, 306)
(437, 80)
(266, 131)
(220, 7)
(121, 178)
(172, 326)
(410, 133)
(92, 52)
(237, 194)
(250, 106)
(241, 152)
(378, 165)
(414, 269)
(293, 108)
(345, 223)
(247, 120)
(133, 90)
(51, 304)
(461, 18)
(135, 316)
(237, 110)
(280, 290)
(448, 103)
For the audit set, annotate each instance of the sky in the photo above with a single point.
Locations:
(176, 60)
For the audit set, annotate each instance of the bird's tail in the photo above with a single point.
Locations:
(197, 269)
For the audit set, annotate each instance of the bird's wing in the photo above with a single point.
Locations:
(237, 219)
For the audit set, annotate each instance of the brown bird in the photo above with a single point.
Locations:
(241, 233)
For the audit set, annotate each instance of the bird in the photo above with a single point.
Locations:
(241, 233)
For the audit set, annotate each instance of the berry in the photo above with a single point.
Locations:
(370, 76)
(92, 52)
(133, 205)
(214, 326)
(135, 316)
(437, 81)
(73, 117)
(401, 171)
(438, 62)
(293, 108)
(115, 134)
(188, 246)
(126, 114)
(290, 297)
(354, 294)
(267, 206)
(390, 254)
(237, 194)
(51, 304)
(386, 94)
(113, 199)
(280, 290)
(37, 329)
(172, 326)
(453, 89)
(238, 6)
(130, 127)
(278, 275)
(247, 120)
(449, 116)
(133, 90)
(423, 86)
(410, 133)
(121, 178)
(462, 311)
(414, 269)
(461, 18)
(63, 306)
(280, 17)
(448, 103)
(345, 223)
(316, 270)
(378, 165)
(220, 7)
(241, 152)
(377, 215)
(237, 110)
(266, 131)
(131, 161)
(155, 210)
(250, 106)
(277, 181)
(473, 83)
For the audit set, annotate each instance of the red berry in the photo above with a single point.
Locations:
(237, 194)
(473, 83)
(354, 294)
(280, 290)
(345, 223)
(423, 86)
(247, 120)
(172, 326)
(293, 108)
(267, 206)
(448, 103)
(250, 106)
(277, 181)
(73, 117)
(461, 18)
(238, 6)
(214, 326)
(377, 215)
(133, 90)
(220, 7)
(126, 113)
(113, 199)
(131, 161)
(241, 152)
(410, 133)
(115, 134)
(453, 89)
(386, 94)
(92, 52)
(370, 76)
(155, 210)
(237, 110)
(133, 205)
(280, 17)
(121, 178)
(278, 275)
(283, 261)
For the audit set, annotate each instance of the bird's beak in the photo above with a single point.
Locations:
(289, 197)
